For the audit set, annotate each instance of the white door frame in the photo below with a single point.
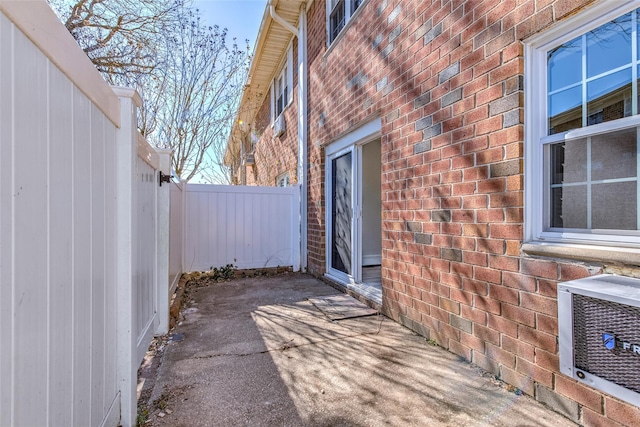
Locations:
(353, 143)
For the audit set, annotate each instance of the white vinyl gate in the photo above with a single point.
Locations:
(145, 211)
(83, 232)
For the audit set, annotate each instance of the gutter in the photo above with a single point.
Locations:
(303, 166)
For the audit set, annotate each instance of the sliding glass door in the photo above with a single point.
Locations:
(342, 212)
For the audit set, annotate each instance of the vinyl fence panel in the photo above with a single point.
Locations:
(249, 227)
(176, 234)
(57, 247)
(79, 232)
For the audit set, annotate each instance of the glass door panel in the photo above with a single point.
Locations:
(341, 213)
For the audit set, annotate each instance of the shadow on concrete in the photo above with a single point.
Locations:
(257, 352)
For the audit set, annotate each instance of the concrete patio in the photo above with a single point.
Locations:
(256, 352)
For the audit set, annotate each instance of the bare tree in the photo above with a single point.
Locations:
(189, 79)
(121, 37)
(200, 83)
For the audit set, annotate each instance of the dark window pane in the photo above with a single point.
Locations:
(614, 155)
(609, 46)
(565, 64)
(336, 20)
(569, 207)
(565, 110)
(356, 4)
(614, 206)
(609, 97)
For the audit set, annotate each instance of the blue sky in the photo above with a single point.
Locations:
(241, 17)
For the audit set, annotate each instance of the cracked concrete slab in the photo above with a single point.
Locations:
(257, 352)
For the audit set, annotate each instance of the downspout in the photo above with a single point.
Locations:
(301, 33)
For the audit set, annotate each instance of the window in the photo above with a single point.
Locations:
(281, 93)
(282, 90)
(338, 13)
(582, 112)
(283, 180)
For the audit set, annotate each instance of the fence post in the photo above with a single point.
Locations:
(126, 153)
(183, 254)
(162, 233)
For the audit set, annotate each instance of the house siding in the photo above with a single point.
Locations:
(446, 79)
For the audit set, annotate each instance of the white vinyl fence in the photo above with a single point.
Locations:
(249, 227)
(176, 234)
(81, 244)
(85, 231)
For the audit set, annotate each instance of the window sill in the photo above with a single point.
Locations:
(284, 110)
(616, 255)
(344, 29)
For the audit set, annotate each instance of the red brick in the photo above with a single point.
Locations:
(522, 382)
(538, 339)
(573, 272)
(580, 393)
(486, 304)
(475, 258)
(473, 314)
(494, 185)
(519, 348)
(506, 231)
(475, 286)
(472, 341)
(501, 356)
(450, 306)
(503, 294)
(461, 296)
(476, 230)
(548, 324)
(492, 246)
(460, 349)
(547, 288)
(518, 281)
(503, 325)
(490, 215)
(539, 303)
(487, 334)
(449, 331)
(519, 315)
(539, 268)
(624, 413)
(487, 274)
(506, 200)
(547, 360)
(489, 125)
(594, 419)
(505, 264)
(486, 363)
(534, 372)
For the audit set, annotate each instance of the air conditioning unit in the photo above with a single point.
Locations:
(279, 125)
(599, 328)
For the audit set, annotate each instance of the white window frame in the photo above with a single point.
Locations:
(350, 9)
(283, 180)
(285, 74)
(536, 128)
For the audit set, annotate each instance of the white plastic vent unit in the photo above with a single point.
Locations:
(279, 125)
(249, 160)
(599, 328)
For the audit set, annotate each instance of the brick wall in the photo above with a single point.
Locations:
(276, 155)
(446, 78)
